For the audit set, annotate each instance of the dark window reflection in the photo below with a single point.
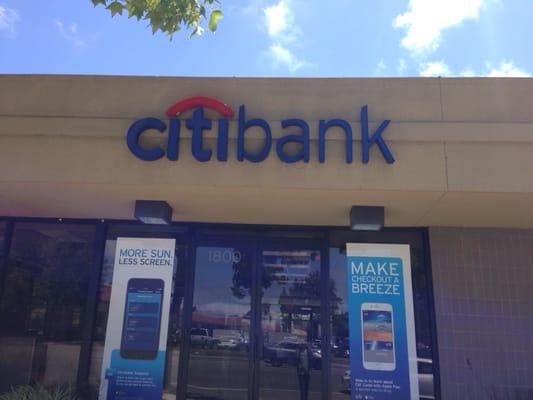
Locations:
(291, 351)
(340, 342)
(2, 248)
(2, 243)
(43, 302)
(220, 333)
(340, 353)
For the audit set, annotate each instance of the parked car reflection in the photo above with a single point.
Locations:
(228, 342)
(286, 353)
(201, 337)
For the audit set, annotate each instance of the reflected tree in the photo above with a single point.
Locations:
(46, 285)
(242, 277)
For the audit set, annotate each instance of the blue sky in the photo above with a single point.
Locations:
(277, 38)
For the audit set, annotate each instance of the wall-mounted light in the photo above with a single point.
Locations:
(153, 211)
(367, 218)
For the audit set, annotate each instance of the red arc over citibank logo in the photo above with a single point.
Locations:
(199, 101)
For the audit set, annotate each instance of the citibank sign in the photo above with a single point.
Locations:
(296, 132)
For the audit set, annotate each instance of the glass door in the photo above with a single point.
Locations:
(219, 361)
(255, 329)
(289, 344)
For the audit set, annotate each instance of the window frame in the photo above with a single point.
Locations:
(95, 265)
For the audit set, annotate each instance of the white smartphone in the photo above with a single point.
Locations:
(378, 337)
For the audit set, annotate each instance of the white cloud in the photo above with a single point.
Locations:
(380, 68)
(70, 33)
(8, 19)
(279, 19)
(280, 24)
(425, 20)
(402, 66)
(434, 68)
(506, 69)
(282, 56)
(467, 73)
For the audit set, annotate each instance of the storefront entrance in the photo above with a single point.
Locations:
(256, 321)
(257, 312)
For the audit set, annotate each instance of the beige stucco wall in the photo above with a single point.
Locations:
(463, 149)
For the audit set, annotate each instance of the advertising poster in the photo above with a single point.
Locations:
(381, 322)
(136, 337)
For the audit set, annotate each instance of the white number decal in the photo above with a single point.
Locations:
(225, 256)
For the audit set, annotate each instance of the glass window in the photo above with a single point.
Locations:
(221, 315)
(104, 296)
(340, 345)
(291, 350)
(2, 240)
(2, 246)
(340, 353)
(43, 302)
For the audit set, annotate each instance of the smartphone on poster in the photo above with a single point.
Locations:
(142, 319)
(377, 326)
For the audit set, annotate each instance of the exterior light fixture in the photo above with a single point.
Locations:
(153, 211)
(367, 218)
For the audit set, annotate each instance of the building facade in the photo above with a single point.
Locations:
(261, 175)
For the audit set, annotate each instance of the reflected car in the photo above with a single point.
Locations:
(287, 353)
(341, 348)
(425, 379)
(201, 337)
(228, 342)
(281, 353)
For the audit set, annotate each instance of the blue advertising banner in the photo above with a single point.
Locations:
(381, 322)
(133, 362)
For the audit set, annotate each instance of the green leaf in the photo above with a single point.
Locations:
(169, 16)
(213, 20)
(138, 13)
(115, 8)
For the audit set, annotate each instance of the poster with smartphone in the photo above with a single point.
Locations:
(134, 352)
(383, 363)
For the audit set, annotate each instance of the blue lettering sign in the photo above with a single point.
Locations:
(299, 137)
